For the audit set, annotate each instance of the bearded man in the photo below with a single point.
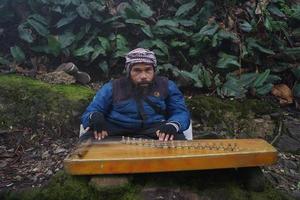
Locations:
(140, 104)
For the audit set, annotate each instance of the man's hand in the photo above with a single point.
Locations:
(97, 124)
(166, 132)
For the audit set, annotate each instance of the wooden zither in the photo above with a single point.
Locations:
(131, 155)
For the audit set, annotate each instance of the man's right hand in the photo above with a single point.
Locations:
(97, 124)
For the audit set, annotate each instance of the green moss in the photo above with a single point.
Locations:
(232, 116)
(26, 102)
(212, 184)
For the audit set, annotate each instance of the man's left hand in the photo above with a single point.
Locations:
(166, 132)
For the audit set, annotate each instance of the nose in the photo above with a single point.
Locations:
(143, 75)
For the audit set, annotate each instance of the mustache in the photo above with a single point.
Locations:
(144, 83)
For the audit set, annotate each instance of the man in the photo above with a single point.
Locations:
(140, 105)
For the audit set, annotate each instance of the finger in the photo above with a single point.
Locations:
(167, 137)
(157, 133)
(172, 137)
(161, 136)
(87, 129)
(96, 135)
(105, 133)
(99, 135)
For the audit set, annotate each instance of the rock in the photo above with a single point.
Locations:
(58, 77)
(108, 182)
(290, 140)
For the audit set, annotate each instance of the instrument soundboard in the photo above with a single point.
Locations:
(131, 155)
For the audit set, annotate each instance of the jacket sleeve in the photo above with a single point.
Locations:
(176, 107)
(101, 102)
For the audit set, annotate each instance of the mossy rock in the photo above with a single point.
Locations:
(27, 102)
(233, 116)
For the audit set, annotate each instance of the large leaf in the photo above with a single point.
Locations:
(66, 39)
(185, 8)
(167, 22)
(84, 11)
(66, 20)
(147, 31)
(296, 72)
(4, 61)
(275, 10)
(245, 26)
(296, 90)
(265, 89)
(121, 46)
(98, 50)
(39, 27)
(17, 54)
(136, 21)
(104, 43)
(227, 61)
(253, 44)
(162, 46)
(83, 51)
(25, 33)
(232, 88)
(261, 78)
(53, 45)
(39, 19)
(292, 51)
(104, 67)
(142, 8)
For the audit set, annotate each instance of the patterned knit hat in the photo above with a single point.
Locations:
(139, 55)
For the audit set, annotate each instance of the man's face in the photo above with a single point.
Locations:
(142, 74)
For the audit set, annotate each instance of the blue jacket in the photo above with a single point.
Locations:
(116, 100)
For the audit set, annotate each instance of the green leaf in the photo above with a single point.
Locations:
(167, 22)
(209, 29)
(25, 33)
(136, 21)
(40, 28)
(142, 8)
(186, 23)
(147, 31)
(227, 61)
(185, 8)
(17, 54)
(98, 50)
(245, 26)
(104, 67)
(253, 44)
(83, 51)
(247, 79)
(4, 61)
(296, 90)
(232, 88)
(148, 44)
(175, 43)
(261, 78)
(66, 39)
(66, 20)
(84, 11)
(39, 19)
(180, 31)
(265, 89)
(121, 46)
(296, 72)
(162, 46)
(104, 43)
(292, 51)
(275, 10)
(53, 45)
(222, 34)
